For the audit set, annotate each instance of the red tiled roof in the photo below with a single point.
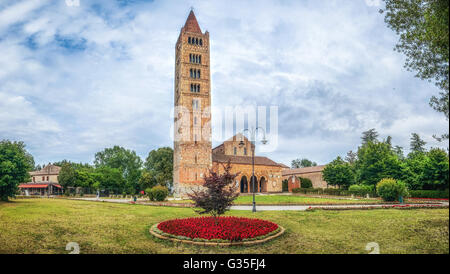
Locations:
(38, 185)
(303, 170)
(246, 160)
(191, 24)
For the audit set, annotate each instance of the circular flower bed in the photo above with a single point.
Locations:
(217, 230)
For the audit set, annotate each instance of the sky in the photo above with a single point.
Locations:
(78, 76)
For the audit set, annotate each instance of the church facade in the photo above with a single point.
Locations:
(193, 152)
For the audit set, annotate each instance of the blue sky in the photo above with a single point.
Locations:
(75, 79)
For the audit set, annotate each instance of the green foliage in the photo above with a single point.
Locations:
(423, 29)
(369, 136)
(391, 189)
(15, 162)
(361, 190)
(305, 182)
(437, 194)
(417, 144)
(67, 176)
(436, 170)
(300, 163)
(126, 161)
(377, 161)
(285, 185)
(159, 166)
(339, 173)
(157, 193)
(147, 180)
(110, 179)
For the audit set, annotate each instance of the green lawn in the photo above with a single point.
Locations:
(47, 225)
(293, 199)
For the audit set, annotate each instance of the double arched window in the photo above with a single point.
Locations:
(195, 41)
(195, 73)
(195, 88)
(195, 58)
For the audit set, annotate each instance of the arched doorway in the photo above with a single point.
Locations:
(244, 185)
(262, 185)
(253, 181)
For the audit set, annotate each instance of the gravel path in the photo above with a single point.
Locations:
(271, 208)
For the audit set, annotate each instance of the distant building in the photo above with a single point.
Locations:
(43, 182)
(313, 173)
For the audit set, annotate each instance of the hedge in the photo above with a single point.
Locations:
(437, 194)
(333, 191)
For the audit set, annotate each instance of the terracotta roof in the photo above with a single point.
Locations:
(283, 165)
(38, 185)
(303, 170)
(191, 24)
(246, 160)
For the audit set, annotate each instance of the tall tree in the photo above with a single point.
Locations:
(423, 29)
(338, 173)
(300, 163)
(417, 144)
(398, 150)
(388, 140)
(370, 135)
(377, 161)
(126, 160)
(436, 170)
(159, 164)
(67, 176)
(351, 157)
(15, 162)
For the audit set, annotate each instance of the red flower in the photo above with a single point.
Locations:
(226, 228)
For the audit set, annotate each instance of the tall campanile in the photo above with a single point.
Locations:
(192, 130)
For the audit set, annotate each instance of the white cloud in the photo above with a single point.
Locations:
(109, 78)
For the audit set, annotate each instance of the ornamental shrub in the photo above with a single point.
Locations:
(390, 190)
(436, 194)
(157, 193)
(360, 190)
(305, 182)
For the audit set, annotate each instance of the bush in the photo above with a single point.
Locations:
(305, 182)
(436, 194)
(157, 193)
(297, 190)
(390, 189)
(360, 190)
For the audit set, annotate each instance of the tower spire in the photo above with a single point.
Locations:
(191, 24)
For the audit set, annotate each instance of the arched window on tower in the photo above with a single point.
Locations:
(189, 40)
(196, 41)
(198, 74)
(198, 88)
(235, 151)
(199, 59)
(201, 42)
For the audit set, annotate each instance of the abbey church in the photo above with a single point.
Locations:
(193, 152)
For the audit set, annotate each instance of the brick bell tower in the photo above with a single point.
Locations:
(192, 130)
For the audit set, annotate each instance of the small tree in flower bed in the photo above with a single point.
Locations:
(218, 193)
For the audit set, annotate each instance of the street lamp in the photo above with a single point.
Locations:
(252, 132)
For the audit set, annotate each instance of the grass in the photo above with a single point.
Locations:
(47, 225)
(293, 200)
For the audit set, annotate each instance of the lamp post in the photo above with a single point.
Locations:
(252, 132)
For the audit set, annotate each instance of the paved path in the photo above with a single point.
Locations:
(269, 208)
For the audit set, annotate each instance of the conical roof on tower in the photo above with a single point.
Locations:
(191, 24)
